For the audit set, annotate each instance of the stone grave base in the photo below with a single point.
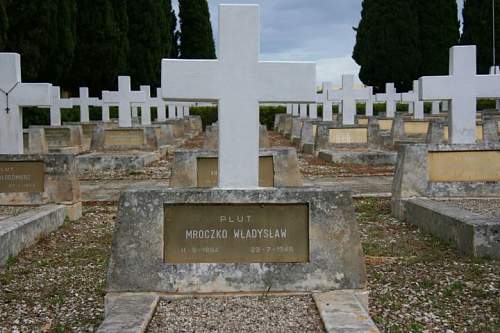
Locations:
(331, 135)
(89, 128)
(445, 171)
(193, 126)
(58, 139)
(358, 156)
(176, 127)
(116, 161)
(22, 231)
(212, 137)
(333, 253)
(340, 311)
(55, 177)
(308, 135)
(187, 170)
(472, 234)
(120, 139)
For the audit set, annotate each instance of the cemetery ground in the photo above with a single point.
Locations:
(417, 283)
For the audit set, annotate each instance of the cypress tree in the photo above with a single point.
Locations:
(4, 26)
(438, 30)
(197, 40)
(149, 39)
(174, 36)
(387, 44)
(477, 30)
(32, 32)
(101, 52)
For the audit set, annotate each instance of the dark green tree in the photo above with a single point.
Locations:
(4, 25)
(32, 32)
(196, 40)
(101, 52)
(387, 44)
(439, 29)
(149, 39)
(478, 30)
(174, 36)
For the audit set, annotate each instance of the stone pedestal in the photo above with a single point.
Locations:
(333, 254)
(193, 168)
(63, 139)
(40, 179)
(132, 138)
(192, 126)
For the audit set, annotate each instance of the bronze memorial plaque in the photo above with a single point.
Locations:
(236, 233)
(22, 177)
(208, 171)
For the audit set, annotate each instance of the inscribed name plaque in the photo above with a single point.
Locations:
(125, 137)
(348, 135)
(464, 166)
(416, 127)
(385, 124)
(22, 177)
(208, 171)
(363, 121)
(236, 233)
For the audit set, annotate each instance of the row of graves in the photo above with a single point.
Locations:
(237, 219)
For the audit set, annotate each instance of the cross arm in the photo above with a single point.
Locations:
(280, 82)
(110, 97)
(190, 80)
(436, 88)
(362, 94)
(32, 94)
(487, 86)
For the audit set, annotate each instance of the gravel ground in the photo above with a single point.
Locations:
(9, 211)
(58, 284)
(485, 207)
(243, 314)
(419, 284)
(157, 170)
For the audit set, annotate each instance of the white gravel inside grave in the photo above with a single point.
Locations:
(237, 314)
(486, 207)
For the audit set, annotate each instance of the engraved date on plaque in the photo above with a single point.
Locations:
(236, 233)
(22, 177)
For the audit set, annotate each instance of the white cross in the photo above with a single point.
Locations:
(13, 96)
(172, 111)
(313, 111)
(413, 98)
(463, 87)
(124, 97)
(146, 106)
(495, 70)
(105, 109)
(303, 111)
(84, 101)
(289, 108)
(238, 81)
(186, 107)
(348, 96)
(327, 104)
(58, 103)
(390, 97)
(369, 102)
(435, 107)
(295, 110)
(160, 106)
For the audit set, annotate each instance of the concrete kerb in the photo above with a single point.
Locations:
(341, 311)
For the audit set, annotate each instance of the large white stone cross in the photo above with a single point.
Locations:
(348, 96)
(238, 81)
(413, 97)
(84, 101)
(463, 87)
(327, 104)
(390, 97)
(58, 103)
(13, 95)
(124, 97)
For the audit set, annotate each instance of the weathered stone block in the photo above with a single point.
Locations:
(138, 262)
(212, 137)
(186, 173)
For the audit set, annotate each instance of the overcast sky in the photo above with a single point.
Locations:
(307, 30)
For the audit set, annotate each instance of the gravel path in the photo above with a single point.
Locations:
(485, 207)
(237, 314)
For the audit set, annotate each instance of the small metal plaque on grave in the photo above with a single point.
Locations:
(208, 175)
(236, 233)
(22, 177)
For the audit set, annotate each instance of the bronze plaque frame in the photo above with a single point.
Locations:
(208, 176)
(22, 177)
(236, 233)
